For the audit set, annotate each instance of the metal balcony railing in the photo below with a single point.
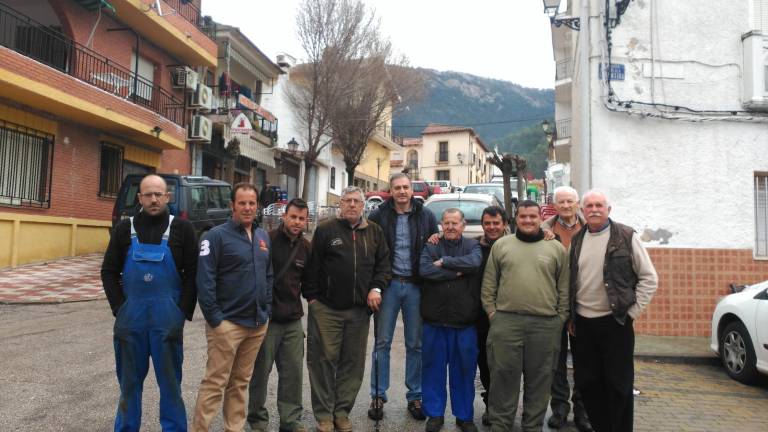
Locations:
(563, 128)
(441, 157)
(190, 12)
(563, 69)
(34, 40)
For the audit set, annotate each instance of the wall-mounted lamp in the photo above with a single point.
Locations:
(460, 157)
(156, 130)
(551, 7)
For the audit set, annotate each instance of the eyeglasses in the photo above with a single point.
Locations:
(157, 195)
(351, 201)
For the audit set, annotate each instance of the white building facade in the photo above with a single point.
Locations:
(662, 104)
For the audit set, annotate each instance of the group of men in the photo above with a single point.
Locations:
(502, 303)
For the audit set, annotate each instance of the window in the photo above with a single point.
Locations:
(443, 175)
(333, 177)
(26, 164)
(146, 75)
(111, 173)
(443, 154)
(214, 198)
(197, 198)
(413, 160)
(761, 215)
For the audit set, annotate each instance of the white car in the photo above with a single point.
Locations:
(472, 205)
(740, 332)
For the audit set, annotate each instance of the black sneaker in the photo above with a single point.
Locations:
(582, 423)
(557, 420)
(376, 411)
(414, 407)
(434, 424)
(466, 426)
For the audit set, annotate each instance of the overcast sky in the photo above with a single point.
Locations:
(503, 39)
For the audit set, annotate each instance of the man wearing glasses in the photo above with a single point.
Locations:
(149, 279)
(348, 269)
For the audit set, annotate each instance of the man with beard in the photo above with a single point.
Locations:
(284, 343)
(525, 294)
(149, 278)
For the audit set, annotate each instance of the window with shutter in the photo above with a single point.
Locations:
(761, 215)
(760, 15)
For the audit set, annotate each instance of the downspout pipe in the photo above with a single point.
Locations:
(585, 159)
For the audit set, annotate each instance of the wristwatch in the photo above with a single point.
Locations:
(378, 290)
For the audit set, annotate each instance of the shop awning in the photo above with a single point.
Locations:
(254, 150)
(92, 5)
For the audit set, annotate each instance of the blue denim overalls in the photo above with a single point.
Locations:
(150, 323)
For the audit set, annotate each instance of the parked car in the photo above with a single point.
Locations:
(422, 190)
(471, 204)
(201, 200)
(497, 190)
(379, 195)
(740, 332)
(443, 185)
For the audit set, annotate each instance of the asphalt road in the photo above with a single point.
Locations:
(57, 374)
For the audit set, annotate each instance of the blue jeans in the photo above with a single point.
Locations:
(407, 296)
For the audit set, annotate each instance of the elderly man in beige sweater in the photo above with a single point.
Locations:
(612, 281)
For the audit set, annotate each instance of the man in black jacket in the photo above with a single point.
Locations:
(149, 279)
(450, 305)
(284, 343)
(349, 268)
(407, 225)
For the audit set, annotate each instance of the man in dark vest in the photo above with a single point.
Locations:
(612, 281)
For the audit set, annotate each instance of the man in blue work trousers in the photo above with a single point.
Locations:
(149, 278)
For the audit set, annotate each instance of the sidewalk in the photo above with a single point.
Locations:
(58, 281)
(77, 279)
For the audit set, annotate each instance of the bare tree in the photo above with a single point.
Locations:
(333, 33)
(382, 87)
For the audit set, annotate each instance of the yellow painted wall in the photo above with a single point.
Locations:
(368, 164)
(6, 232)
(91, 239)
(33, 238)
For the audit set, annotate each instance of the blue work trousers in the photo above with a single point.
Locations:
(405, 296)
(453, 350)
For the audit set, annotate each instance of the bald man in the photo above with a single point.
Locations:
(148, 275)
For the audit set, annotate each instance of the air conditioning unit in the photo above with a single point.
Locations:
(755, 75)
(201, 98)
(185, 77)
(200, 129)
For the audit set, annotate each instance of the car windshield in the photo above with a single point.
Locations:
(418, 187)
(473, 210)
(497, 191)
(132, 199)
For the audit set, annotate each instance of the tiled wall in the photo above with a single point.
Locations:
(691, 281)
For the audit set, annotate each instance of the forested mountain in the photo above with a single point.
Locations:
(501, 112)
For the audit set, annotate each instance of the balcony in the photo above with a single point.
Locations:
(564, 69)
(31, 39)
(190, 12)
(441, 158)
(563, 128)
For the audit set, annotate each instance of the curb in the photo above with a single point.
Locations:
(700, 360)
(49, 302)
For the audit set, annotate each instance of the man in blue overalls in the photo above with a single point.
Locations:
(149, 278)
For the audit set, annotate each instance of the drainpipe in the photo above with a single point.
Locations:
(585, 158)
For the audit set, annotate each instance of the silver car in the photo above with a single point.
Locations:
(471, 204)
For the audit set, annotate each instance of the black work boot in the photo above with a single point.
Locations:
(559, 418)
(376, 411)
(434, 424)
(466, 426)
(582, 422)
(414, 408)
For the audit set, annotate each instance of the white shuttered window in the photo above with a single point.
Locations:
(761, 214)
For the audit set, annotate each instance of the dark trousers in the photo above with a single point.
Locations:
(482, 357)
(561, 390)
(605, 371)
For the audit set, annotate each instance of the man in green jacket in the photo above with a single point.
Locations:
(349, 267)
(525, 294)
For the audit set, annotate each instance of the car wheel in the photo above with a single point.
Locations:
(738, 354)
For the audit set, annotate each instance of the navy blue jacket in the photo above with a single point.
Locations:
(422, 224)
(234, 276)
(448, 299)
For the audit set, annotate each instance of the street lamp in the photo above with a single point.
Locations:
(460, 157)
(551, 7)
(293, 146)
(550, 136)
(378, 169)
